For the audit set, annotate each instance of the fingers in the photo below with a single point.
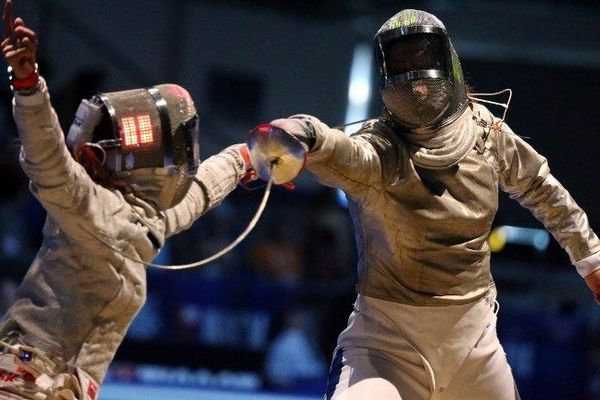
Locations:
(21, 48)
(7, 18)
(25, 35)
(595, 291)
(21, 53)
(20, 44)
(16, 30)
(26, 44)
(593, 282)
(22, 59)
(596, 297)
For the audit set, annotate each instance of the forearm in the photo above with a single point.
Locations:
(554, 207)
(217, 176)
(44, 156)
(337, 160)
(525, 176)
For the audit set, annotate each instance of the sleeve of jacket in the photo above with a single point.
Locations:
(358, 164)
(525, 176)
(217, 176)
(59, 182)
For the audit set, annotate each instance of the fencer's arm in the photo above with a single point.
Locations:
(38, 127)
(526, 177)
(60, 183)
(217, 176)
(55, 176)
(43, 150)
(351, 163)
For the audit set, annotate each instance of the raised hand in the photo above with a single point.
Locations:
(19, 45)
(593, 282)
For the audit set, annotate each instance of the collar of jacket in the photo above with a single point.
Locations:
(440, 148)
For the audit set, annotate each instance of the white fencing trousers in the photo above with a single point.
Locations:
(392, 351)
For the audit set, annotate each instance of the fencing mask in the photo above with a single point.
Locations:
(146, 139)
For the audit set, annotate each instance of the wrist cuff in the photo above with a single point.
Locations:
(587, 265)
(34, 98)
(29, 82)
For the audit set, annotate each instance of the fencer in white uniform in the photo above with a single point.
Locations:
(130, 179)
(422, 184)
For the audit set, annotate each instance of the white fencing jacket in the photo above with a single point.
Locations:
(79, 296)
(421, 233)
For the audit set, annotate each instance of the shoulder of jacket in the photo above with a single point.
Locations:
(376, 130)
(489, 141)
(490, 128)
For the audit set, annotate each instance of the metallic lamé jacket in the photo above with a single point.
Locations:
(421, 233)
(79, 295)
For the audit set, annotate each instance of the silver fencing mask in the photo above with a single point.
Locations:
(144, 139)
(421, 76)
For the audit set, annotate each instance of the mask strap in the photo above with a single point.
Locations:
(91, 155)
(474, 97)
(87, 118)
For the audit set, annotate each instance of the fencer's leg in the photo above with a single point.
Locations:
(370, 388)
(485, 374)
(356, 378)
(517, 396)
(361, 374)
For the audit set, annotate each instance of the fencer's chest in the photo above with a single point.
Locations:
(463, 197)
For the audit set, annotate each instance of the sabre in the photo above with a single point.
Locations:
(262, 140)
(204, 261)
(292, 155)
(352, 123)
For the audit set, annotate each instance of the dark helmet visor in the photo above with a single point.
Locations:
(415, 52)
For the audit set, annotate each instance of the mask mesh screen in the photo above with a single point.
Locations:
(418, 103)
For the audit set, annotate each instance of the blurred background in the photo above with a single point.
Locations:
(261, 322)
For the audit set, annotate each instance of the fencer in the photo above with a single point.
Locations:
(130, 174)
(422, 183)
